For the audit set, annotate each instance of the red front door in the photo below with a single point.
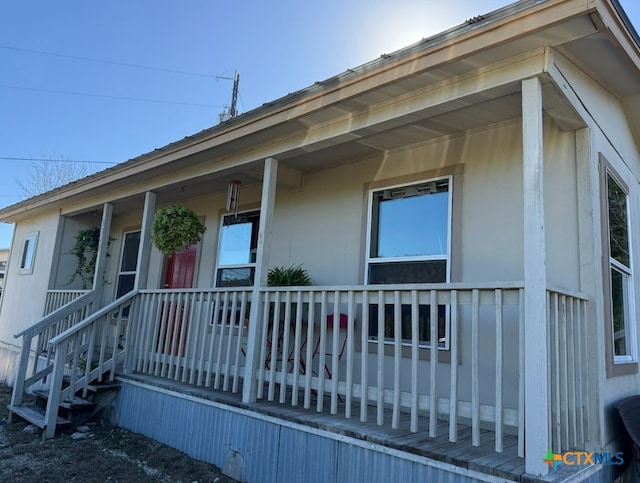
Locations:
(181, 268)
(180, 271)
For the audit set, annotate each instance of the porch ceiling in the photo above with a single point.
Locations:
(465, 114)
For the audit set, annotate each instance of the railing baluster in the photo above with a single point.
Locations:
(349, 349)
(397, 356)
(323, 350)
(564, 375)
(182, 328)
(521, 373)
(571, 376)
(433, 380)
(499, 355)
(103, 348)
(475, 387)
(187, 349)
(296, 349)
(227, 362)
(165, 309)
(555, 367)
(217, 312)
(310, 348)
(87, 369)
(415, 356)
(335, 333)
(380, 365)
(152, 316)
(263, 343)
(243, 310)
(275, 341)
(364, 364)
(200, 340)
(453, 392)
(284, 365)
(174, 328)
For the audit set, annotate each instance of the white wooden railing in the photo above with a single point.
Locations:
(479, 383)
(199, 336)
(57, 298)
(195, 336)
(568, 369)
(38, 336)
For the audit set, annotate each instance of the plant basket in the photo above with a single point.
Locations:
(175, 228)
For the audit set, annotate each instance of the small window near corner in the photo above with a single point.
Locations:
(28, 253)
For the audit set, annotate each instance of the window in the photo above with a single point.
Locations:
(28, 253)
(621, 314)
(409, 242)
(237, 250)
(128, 264)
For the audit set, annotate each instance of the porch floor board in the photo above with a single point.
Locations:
(462, 453)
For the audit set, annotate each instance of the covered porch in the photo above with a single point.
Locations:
(489, 366)
(463, 406)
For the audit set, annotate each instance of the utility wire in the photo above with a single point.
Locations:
(48, 160)
(104, 96)
(89, 59)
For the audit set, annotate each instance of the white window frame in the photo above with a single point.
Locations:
(627, 280)
(218, 266)
(26, 264)
(447, 257)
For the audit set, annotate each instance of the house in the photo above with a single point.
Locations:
(486, 178)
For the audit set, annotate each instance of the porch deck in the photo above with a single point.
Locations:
(506, 465)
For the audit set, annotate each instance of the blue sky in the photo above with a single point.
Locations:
(277, 47)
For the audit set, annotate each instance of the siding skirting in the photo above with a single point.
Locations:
(254, 447)
(8, 362)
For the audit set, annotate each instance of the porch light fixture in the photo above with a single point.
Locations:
(233, 196)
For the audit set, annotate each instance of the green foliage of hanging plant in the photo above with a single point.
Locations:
(85, 250)
(175, 228)
(293, 276)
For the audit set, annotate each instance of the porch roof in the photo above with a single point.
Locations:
(461, 79)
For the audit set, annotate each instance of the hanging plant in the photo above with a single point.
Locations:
(85, 250)
(175, 228)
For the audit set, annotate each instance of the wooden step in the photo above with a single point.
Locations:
(35, 415)
(104, 386)
(70, 404)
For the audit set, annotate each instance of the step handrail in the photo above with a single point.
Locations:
(60, 313)
(92, 318)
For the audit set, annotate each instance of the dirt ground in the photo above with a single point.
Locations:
(106, 454)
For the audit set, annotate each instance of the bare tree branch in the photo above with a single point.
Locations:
(42, 176)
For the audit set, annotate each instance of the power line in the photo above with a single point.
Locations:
(89, 59)
(104, 96)
(49, 160)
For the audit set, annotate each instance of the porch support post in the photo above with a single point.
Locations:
(101, 256)
(144, 250)
(536, 360)
(260, 279)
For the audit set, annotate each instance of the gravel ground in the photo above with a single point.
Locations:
(102, 454)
